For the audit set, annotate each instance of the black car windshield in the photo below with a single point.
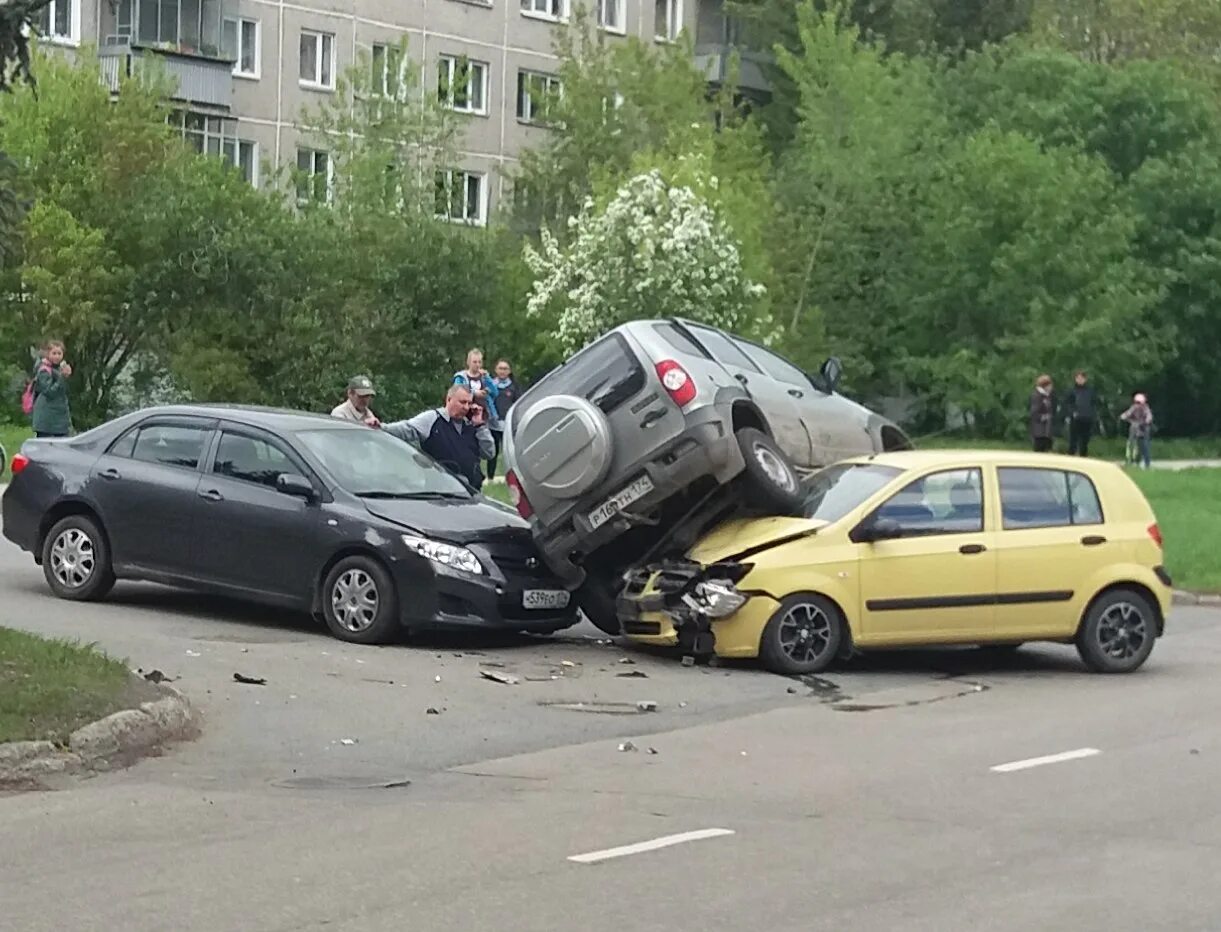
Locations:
(376, 465)
(836, 490)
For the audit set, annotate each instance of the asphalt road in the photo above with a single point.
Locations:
(865, 799)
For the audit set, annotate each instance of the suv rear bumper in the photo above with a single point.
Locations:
(706, 448)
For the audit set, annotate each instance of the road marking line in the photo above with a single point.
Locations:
(640, 847)
(1049, 759)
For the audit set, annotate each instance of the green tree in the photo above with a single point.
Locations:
(1122, 30)
(1023, 263)
(620, 100)
(871, 134)
(656, 246)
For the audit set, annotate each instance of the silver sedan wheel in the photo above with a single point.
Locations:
(73, 559)
(355, 600)
(775, 468)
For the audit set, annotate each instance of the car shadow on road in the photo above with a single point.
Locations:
(282, 625)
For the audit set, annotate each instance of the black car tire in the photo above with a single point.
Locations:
(1117, 632)
(596, 598)
(369, 614)
(804, 635)
(76, 560)
(770, 476)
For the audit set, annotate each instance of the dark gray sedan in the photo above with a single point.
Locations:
(308, 512)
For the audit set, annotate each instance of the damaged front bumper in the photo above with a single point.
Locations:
(699, 609)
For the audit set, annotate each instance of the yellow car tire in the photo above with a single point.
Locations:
(804, 635)
(1117, 633)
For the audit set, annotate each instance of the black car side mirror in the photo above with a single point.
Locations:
(877, 529)
(299, 486)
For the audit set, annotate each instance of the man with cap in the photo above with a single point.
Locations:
(356, 408)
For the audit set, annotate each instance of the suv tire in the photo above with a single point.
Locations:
(596, 598)
(770, 476)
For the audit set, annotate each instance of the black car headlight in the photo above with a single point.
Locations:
(458, 558)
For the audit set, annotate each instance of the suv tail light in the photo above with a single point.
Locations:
(677, 382)
(517, 495)
(18, 463)
(1156, 533)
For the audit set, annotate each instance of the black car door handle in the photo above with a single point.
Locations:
(1093, 541)
(972, 548)
(110, 474)
(212, 495)
(797, 393)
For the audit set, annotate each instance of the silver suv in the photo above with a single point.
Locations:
(647, 435)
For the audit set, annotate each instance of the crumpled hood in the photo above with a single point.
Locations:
(458, 521)
(735, 537)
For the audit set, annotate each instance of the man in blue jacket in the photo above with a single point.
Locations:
(456, 436)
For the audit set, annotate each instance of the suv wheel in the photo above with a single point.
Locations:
(770, 475)
(596, 598)
(1117, 633)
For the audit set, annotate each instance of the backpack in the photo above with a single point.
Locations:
(27, 396)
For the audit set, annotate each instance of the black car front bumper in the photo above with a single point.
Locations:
(492, 600)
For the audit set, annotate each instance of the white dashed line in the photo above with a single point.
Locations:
(1049, 759)
(640, 847)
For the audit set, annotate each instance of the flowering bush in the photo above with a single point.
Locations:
(654, 251)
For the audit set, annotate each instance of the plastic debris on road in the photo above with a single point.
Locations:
(646, 706)
(249, 680)
(627, 746)
(508, 679)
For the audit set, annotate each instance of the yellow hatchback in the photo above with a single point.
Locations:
(921, 548)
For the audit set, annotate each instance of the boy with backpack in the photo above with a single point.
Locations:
(46, 394)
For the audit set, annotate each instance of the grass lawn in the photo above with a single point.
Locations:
(1188, 508)
(1164, 448)
(49, 688)
(11, 438)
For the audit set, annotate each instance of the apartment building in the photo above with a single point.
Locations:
(246, 69)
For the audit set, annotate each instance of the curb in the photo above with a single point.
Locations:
(117, 738)
(1182, 597)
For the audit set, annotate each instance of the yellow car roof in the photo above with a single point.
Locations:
(922, 459)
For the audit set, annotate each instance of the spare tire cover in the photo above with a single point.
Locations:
(562, 446)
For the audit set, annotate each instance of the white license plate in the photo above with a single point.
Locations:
(545, 598)
(620, 500)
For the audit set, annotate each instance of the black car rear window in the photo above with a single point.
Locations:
(606, 373)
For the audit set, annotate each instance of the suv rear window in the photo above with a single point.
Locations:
(607, 373)
(679, 340)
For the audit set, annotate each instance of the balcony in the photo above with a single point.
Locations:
(715, 60)
(185, 37)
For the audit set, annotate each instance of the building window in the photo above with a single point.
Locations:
(59, 21)
(460, 197)
(242, 44)
(668, 20)
(315, 174)
(610, 15)
(244, 155)
(536, 92)
(204, 133)
(387, 77)
(462, 85)
(549, 9)
(189, 27)
(317, 59)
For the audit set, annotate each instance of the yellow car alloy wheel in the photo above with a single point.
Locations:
(804, 635)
